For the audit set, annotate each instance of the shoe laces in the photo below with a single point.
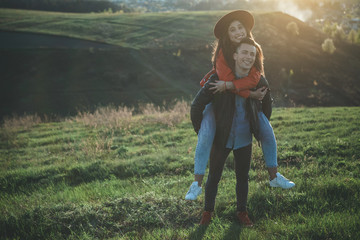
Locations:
(193, 188)
(283, 179)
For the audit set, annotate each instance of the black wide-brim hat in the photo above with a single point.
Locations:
(245, 17)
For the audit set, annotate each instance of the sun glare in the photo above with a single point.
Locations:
(288, 6)
(292, 9)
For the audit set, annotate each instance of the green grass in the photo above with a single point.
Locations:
(150, 30)
(92, 177)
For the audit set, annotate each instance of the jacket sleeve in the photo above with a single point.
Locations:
(202, 98)
(267, 105)
(242, 85)
(207, 76)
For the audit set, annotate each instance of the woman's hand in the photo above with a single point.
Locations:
(220, 86)
(259, 94)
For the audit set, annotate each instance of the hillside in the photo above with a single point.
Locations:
(117, 175)
(157, 57)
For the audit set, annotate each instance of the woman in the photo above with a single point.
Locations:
(230, 30)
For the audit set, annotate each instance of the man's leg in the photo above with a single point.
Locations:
(217, 161)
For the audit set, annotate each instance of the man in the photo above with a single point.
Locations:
(232, 133)
(235, 124)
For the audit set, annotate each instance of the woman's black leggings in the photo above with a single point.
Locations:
(218, 156)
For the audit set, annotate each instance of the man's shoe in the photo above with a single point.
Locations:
(193, 192)
(281, 181)
(244, 219)
(206, 218)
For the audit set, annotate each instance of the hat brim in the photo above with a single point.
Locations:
(245, 17)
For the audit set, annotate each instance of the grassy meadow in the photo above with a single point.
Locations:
(117, 173)
(134, 30)
(114, 174)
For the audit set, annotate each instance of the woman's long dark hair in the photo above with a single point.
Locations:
(226, 45)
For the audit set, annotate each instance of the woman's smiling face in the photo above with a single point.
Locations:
(236, 31)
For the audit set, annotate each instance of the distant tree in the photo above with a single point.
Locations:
(352, 36)
(328, 46)
(292, 28)
(81, 6)
(329, 28)
(339, 34)
(185, 4)
(243, 4)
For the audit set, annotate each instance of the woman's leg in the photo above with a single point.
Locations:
(269, 148)
(205, 140)
(202, 152)
(242, 157)
(268, 145)
(217, 161)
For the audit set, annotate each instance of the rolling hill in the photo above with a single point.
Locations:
(125, 59)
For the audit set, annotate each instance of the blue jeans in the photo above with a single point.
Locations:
(205, 140)
(268, 141)
(207, 133)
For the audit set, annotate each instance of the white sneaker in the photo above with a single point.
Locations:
(193, 192)
(281, 181)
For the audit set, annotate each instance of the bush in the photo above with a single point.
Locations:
(339, 34)
(292, 28)
(352, 36)
(328, 46)
(329, 29)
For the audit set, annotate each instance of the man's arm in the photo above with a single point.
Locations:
(202, 98)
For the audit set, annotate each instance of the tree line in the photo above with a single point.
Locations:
(351, 7)
(78, 6)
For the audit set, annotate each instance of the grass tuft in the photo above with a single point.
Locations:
(110, 117)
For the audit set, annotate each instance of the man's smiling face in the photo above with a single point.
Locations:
(245, 56)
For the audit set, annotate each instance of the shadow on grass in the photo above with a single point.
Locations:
(198, 233)
(233, 233)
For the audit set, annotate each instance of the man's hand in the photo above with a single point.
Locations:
(259, 94)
